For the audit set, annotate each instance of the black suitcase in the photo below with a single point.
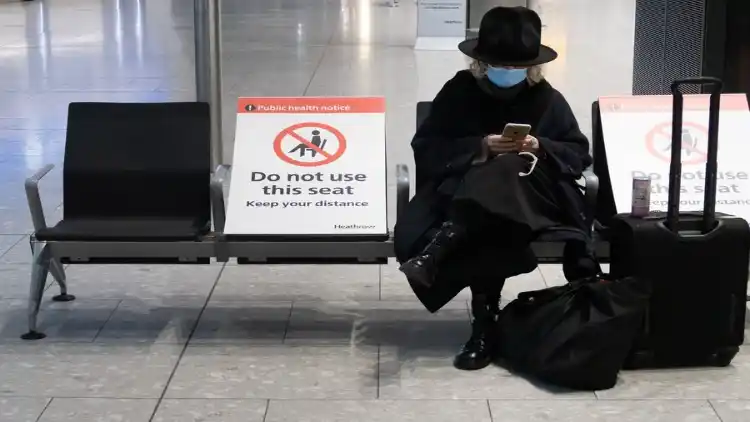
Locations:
(697, 264)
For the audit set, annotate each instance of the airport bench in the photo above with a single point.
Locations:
(138, 189)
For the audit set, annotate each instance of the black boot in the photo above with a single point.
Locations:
(422, 268)
(479, 351)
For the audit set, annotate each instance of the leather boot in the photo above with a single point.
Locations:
(479, 351)
(423, 267)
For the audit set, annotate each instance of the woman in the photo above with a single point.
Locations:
(481, 198)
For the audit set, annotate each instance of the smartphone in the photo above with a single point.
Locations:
(516, 131)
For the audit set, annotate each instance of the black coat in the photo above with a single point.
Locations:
(449, 140)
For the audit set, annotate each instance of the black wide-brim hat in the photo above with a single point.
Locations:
(509, 36)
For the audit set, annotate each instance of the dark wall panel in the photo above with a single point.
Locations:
(686, 38)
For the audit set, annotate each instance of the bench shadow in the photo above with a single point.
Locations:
(403, 333)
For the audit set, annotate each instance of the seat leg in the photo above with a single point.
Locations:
(39, 270)
(58, 272)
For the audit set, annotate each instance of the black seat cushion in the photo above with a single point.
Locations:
(560, 234)
(138, 170)
(123, 230)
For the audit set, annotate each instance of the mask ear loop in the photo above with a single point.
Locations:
(534, 160)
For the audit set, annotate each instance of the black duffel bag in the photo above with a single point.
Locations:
(575, 336)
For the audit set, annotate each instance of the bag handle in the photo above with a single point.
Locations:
(542, 294)
(554, 292)
(675, 166)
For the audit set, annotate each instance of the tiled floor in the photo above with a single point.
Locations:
(275, 343)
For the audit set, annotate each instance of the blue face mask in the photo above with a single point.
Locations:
(505, 78)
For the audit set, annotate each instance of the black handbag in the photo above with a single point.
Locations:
(575, 336)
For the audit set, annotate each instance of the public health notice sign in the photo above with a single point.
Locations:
(441, 18)
(309, 166)
(637, 135)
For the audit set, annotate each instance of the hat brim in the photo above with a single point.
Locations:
(469, 47)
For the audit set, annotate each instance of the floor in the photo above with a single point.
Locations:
(275, 343)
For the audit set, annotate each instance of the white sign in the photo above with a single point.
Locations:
(309, 166)
(441, 24)
(637, 136)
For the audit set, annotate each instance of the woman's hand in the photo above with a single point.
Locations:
(529, 144)
(499, 144)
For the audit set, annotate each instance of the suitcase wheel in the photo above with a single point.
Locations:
(723, 357)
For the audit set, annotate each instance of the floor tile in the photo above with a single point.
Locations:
(732, 410)
(85, 370)
(15, 281)
(207, 410)
(407, 373)
(276, 373)
(399, 20)
(523, 283)
(293, 83)
(77, 321)
(152, 321)
(603, 411)
(552, 274)
(16, 409)
(82, 409)
(378, 323)
(7, 242)
(33, 149)
(378, 411)
(14, 222)
(369, 70)
(243, 322)
(20, 253)
(12, 192)
(142, 281)
(17, 221)
(686, 383)
(298, 282)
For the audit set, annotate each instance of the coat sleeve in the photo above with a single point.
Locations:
(444, 144)
(566, 146)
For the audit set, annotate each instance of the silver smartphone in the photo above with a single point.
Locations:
(516, 131)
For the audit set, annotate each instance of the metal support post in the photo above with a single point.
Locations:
(207, 17)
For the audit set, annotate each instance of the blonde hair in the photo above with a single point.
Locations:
(534, 74)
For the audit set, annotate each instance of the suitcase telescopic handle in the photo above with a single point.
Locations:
(715, 86)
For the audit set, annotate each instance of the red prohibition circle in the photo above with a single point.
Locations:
(329, 158)
(659, 130)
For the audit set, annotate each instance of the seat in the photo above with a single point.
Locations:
(124, 229)
(549, 245)
(136, 189)
(134, 164)
(291, 250)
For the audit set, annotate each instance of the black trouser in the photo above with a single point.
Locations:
(478, 224)
(488, 291)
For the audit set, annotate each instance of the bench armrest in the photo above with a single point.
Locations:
(590, 192)
(34, 199)
(402, 188)
(217, 197)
